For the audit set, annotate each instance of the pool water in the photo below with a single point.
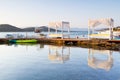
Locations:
(48, 62)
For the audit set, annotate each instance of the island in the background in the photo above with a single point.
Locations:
(11, 28)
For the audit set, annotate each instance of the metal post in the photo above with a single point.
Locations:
(69, 32)
(56, 29)
(112, 30)
(92, 30)
(62, 30)
(88, 32)
(110, 33)
(48, 31)
(26, 34)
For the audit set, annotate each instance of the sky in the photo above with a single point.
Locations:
(27, 13)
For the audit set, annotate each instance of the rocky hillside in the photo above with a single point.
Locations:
(10, 28)
(42, 28)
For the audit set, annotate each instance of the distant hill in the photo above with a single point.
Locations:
(104, 29)
(10, 28)
(78, 29)
(42, 28)
(29, 29)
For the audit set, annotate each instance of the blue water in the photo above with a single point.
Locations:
(45, 62)
(32, 34)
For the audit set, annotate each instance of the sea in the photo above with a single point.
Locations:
(73, 34)
(50, 62)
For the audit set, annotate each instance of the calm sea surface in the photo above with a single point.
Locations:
(46, 62)
(32, 34)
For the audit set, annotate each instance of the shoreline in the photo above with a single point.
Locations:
(93, 43)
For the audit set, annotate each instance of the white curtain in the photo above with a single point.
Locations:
(107, 22)
(59, 24)
(65, 24)
(51, 24)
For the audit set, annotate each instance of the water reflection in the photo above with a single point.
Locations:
(59, 54)
(41, 46)
(98, 62)
(97, 59)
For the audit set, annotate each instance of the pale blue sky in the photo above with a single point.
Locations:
(23, 13)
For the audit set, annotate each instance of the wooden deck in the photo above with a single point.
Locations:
(114, 41)
(67, 40)
(83, 42)
(62, 41)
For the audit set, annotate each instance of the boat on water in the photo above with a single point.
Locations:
(23, 41)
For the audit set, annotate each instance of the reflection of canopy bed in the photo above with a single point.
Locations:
(100, 63)
(94, 23)
(56, 54)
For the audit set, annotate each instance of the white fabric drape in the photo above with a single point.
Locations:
(107, 22)
(65, 24)
(55, 24)
(59, 24)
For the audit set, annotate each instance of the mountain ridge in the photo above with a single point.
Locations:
(11, 28)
